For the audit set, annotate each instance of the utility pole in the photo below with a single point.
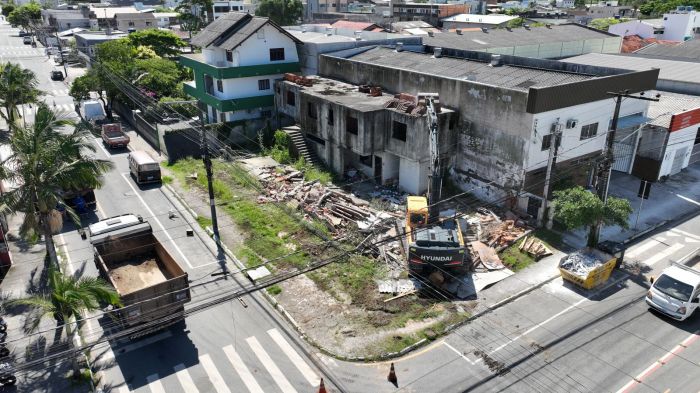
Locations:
(555, 138)
(603, 173)
(210, 185)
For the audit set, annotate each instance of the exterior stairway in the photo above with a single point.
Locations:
(299, 145)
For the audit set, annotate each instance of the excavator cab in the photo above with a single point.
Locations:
(416, 212)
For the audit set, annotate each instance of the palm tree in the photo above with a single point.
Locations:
(69, 297)
(17, 86)
(45, 162)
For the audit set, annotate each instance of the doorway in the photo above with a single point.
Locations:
(378, 169)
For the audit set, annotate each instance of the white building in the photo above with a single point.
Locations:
(679, 25)
(463, 21)
(224, 7)
(166, 19)
(241, 57)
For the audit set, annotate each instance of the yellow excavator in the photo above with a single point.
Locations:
(434, 242)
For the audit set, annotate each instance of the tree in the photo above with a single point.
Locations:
(604, 23)
(82, 86)
(7, 9)
(28, 16)
(43, 163)
(17, 86)
(282, 12)
(158, 76)
(580, 3)
(68, 298)
(577, 207)
(164, 43)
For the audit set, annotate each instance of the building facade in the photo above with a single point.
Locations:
(241, 58)
(507, 109)
(427, 12)
(135, 21)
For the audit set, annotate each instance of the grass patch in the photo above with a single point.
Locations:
(166, 179)
(274, 290)
(204, 222)
(397, 343)
(517, 260)
(354, 275)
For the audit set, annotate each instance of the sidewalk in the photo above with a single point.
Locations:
(26, 276)
(677, 197)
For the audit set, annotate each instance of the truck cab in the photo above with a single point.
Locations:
(676, 292)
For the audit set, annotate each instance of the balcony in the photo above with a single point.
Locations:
(229, 105)
(197, 64)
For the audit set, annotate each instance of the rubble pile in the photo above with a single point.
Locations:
(534, 247)
(580, 263)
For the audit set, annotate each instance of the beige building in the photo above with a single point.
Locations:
(135, 21)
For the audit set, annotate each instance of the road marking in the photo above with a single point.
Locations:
(144, 342)
(69, 263)
(643, 247)
(539, 325)
(102, 214)
(637, 380)
(98, 142)
(663, 254)
(271, 367)
(123, 389)
(694, 236)
(154, 383)
(242, 370)
(184, 258)
(213, 374)
(185, 379)
(688, 199)
(301, 365)
(460, 353)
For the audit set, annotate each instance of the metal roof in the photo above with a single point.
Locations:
(669, 104)
(503, 38)
(674, 70)
(507, 76)
(232, 29)
(494, 19)
(686, 51)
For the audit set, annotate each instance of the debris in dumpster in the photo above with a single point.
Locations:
(581, 263)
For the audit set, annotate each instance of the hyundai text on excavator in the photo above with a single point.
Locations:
(434, 242)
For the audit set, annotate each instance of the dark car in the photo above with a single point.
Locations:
(27, 40)
(57, 75)
(22, 33)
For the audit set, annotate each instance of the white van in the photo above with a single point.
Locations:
(676, 292)
(143, 167)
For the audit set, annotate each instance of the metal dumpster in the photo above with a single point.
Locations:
(587, 267)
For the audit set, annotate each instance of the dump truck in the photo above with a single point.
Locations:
(150, 282)
(114, 137)
(434, 243)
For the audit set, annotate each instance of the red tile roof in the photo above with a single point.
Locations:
(346, 24)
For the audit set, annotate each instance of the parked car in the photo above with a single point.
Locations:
(27, 40)
(22, 33)
(57, 75)
(676, 292)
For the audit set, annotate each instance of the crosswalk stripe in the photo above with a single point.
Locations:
(643, 247)
(663, 254)
(242, 370)
(685, 233)
(185, 379)
(271, 367)
(123, 389)
(213, 374)
(301, 365)
(154, 383)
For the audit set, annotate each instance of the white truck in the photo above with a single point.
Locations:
(676, 292)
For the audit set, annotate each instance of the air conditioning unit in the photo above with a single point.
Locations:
(571, 123)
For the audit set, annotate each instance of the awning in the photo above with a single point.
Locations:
(631, 121)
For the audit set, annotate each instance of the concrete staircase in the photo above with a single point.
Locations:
(300, 146)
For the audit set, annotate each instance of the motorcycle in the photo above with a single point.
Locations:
(7, 374)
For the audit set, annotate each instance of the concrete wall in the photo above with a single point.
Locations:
(244, 87)
(680, 142)
(633, 27)
(679, 27)
(256, 49)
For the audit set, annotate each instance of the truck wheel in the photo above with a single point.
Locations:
(9, 380)
(3, 328)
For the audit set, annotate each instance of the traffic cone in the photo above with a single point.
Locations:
(322, 387)
(392, 376)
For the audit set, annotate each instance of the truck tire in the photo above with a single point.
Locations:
(9, 380)
(4, 352)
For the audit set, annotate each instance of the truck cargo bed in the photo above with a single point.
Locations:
(135, 274)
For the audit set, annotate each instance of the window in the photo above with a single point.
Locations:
(291, 98)
(131, 24)
(366, 161)
(276, 54)
(264, 84)
(222, 117)
(220, 85)
(398, 130)
(148, 23)
(589, 131)
(697, 137)
(351, 125)
(221, 9)
(547, 141)
(229, 56)
(331, 121)
(316, 139)
(311, 110)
